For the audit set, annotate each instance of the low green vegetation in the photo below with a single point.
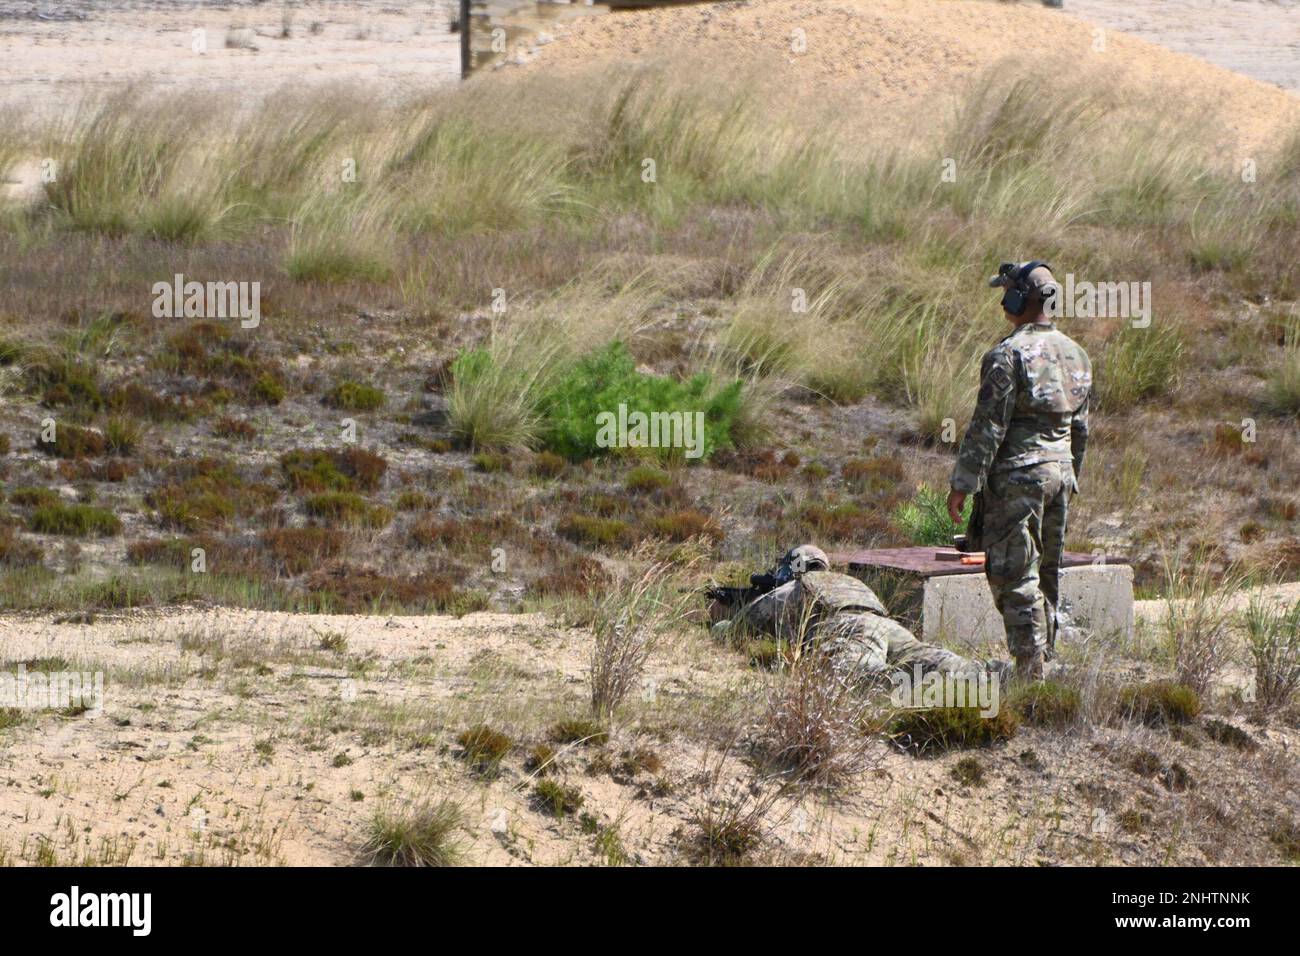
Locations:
(925, 519)
(74, 520)
(934, 730)
(425, 834)
(1159, 703)
(355, 397)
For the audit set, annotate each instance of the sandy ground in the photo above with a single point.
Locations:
(882, 58)
(52, 52)
(233, 737)
(1258, 38)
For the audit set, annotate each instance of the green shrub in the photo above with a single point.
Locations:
(135, 399)
(873, 475)
(925, 519)
(267, 389)
(424, 835)
(115, 593)
(74, 520)
(1160, 703)
(601, 383)
(1273, 636)
(205, 493)
(411, 500)
(355, 397)
(936, 729)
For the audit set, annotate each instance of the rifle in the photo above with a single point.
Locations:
(734, 597)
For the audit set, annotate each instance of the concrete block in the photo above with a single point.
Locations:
(1096, 599)
(944, 602)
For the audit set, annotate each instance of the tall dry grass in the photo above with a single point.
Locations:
(346, 191)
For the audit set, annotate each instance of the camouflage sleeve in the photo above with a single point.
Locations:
(988, 426)
(1079, 436)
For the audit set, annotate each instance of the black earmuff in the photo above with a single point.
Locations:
(1017, 295)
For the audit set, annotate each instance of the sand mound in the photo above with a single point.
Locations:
(888, 55)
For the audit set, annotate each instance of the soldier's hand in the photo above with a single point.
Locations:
(956, 501)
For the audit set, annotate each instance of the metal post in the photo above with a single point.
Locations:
(465, 54)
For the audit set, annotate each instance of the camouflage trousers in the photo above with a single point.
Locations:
(1025, 512)
(871, 644)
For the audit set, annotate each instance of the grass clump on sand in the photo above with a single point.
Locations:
(541, 760)
(937, 729)
(579, 730)
(1046, 703)
(557, 799)
(424, 835)
(485, 748)
(968, 772)
(1159, 703)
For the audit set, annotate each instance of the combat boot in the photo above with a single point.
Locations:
(1029, 668)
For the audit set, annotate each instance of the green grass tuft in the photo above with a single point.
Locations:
(423, 835)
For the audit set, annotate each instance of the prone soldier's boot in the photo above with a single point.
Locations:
(1030, 667)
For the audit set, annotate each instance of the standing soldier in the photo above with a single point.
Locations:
(1022, 456)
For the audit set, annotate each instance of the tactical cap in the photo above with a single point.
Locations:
(808, 557)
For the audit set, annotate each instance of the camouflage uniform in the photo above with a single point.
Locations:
(848, 619)
(1024, 452)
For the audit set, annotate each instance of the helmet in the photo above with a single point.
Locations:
(807, 557)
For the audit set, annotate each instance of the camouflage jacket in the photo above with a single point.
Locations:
(1035, 387)
(790, 610)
